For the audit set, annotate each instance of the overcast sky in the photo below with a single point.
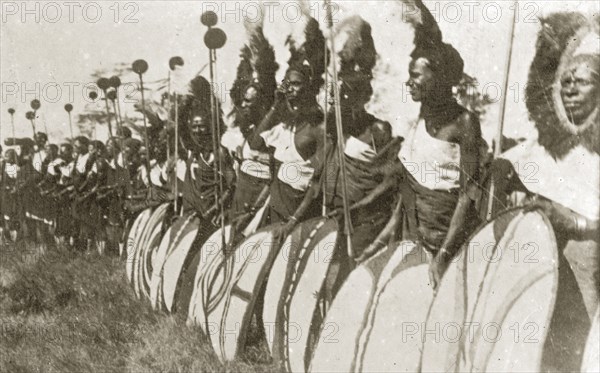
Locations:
(59, 44)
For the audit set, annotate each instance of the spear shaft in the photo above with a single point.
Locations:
(340, 135)
(500, 129)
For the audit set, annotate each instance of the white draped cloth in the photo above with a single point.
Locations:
(572, 181)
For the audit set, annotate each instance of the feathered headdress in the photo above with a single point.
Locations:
(257, 68)
(559, 40)
(195, 103)
(310, 58)
(444, 59)
(357, 60)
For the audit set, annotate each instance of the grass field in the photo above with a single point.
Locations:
(68, 311)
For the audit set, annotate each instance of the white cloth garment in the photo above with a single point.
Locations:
(53, 164)
(255, 163)
(358, 150)
(38, 159)
(294, 170)
(572, 181)
(434, 163)
(81, 162)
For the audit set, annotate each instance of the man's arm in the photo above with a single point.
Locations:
(255, 141)
(469, 170)
(469, 166)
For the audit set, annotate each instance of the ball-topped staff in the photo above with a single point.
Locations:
(11, 111)
(30, 116)
(115, 82)
(69, 109)
(111, 95)
(214, 39)
(93, 95)
(36, 105)
(104, 85)
(173, 63)
(140, 67)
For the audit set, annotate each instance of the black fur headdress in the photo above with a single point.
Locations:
(358, 57)
(560, 33)
(257, 68)
(444, 60)
(309, 58)
(196, 103)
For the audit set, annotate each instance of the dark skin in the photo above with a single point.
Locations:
(291, 99)
(376, 135)
(464, 130)
(580, 89)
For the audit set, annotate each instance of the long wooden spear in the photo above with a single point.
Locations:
(140, 67)
(502, 119)
(173, 63)
(215, 39)
(340, 133)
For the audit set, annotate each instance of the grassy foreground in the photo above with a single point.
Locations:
(73, 312)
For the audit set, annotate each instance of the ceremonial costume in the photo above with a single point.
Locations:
(253, 176)
(80, 206)
(566, 179)
(433, 172)
(255, 75)
(293, 172)
(11, 200)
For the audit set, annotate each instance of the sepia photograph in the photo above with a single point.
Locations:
(298, 186)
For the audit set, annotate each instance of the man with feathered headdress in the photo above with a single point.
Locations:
(441, 153)
(199, 186)
(252, 95)
(293, 129)
(562, 98)
(368, 151)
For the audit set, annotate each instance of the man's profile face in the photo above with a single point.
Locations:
(579, 90)
(80, 148)
(65, 152)
(111, 147)
(91, 149)
(421, 81)
(50, 151)
(200, 128)
(40, 141)
(296, 86)
(129, 152)
(250, 100)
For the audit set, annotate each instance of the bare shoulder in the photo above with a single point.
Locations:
(469, 126)
(318, 130)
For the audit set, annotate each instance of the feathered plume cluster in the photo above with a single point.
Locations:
(196, 103)
(444, 60)
(357, 60)
(558, 31)
(358, 57)
(257, 68)
(311, 57)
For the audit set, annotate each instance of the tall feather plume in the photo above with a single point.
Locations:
(257, 66)
(427, 31)
(265, 65)
(310, 56)
(444, 60)
(196, 103)
(244, 76)
(357, 60)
